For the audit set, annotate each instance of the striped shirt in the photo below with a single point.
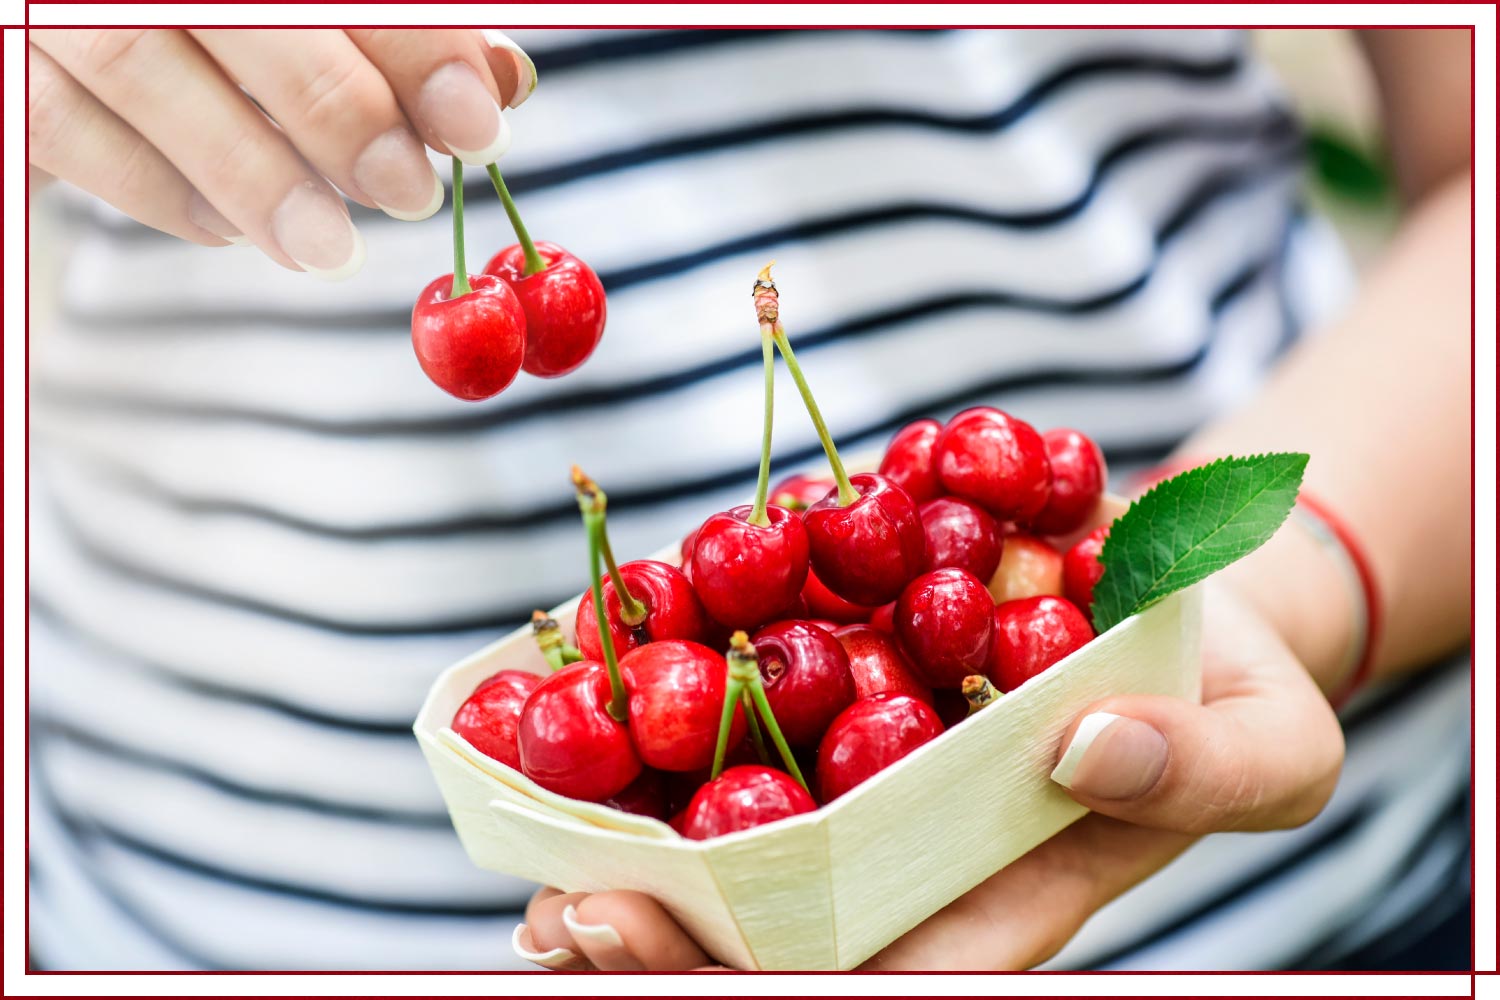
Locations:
(259, 533)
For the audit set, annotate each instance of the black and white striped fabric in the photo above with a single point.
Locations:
(259, 533)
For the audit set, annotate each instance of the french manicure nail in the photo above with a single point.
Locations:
(394, 171)
(1112, 757)
(205, 216)
(556, 958)
(608, 949)
(314, 229)
(458, 108)
(527, 81)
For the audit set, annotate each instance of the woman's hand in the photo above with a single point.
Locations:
(1262, 752)
(164, 125)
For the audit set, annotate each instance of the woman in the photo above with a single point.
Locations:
(259, 533)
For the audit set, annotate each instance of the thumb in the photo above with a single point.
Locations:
(1265, 754)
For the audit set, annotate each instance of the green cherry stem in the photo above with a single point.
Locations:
(979, 692)
(755, 736)
(632, 611)
(744, 678)
(534, 261)
(764, 295)
(549, 639)
(460, 268)
(768, 311)
(591, 502)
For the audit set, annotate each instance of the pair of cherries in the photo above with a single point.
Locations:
(535, 307)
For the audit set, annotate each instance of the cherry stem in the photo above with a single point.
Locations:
(591, 501)
(758, 693)
(534, 261)
(460, 268)
(549, 639)
(763, 483)
(979, 692)
(768, 312)
(755, 736)
(632, 611)
(744, 678)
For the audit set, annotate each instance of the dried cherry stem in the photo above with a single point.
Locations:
(764, 296)
(632, 611)
(591, 502)
(534, 261)
(767, 304)
(550, 640)
(744, 678)
(460, 268)
(979, 692)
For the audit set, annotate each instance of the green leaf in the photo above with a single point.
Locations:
(1191, 526)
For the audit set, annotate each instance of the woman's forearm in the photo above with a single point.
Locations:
(1381, 401)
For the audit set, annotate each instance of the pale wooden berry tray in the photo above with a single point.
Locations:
(829, 889)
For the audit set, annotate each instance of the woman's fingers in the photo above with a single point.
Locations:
(443, 80)
(619, 931)
(73, 136)
(169, 90)
(338, 111)
(1264, 752)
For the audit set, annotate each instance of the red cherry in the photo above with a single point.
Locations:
(686, 548)
(944, 619)
(988, 456)
(878, 664)
(867, 551)
(1029, 567)
(869, 736)
(799, 492)
(671, 605)
(741, 798)
(1032, 634)
(1078, 477)
(488, 719)
(806, 675)
(676, 700)
(645, 796)
(961, 534)
(471, 347)
(908, 460)
(564, 305)
(1082, 568)
(824, 624)
(745, 574)
(826, 604)
(569, 742)
(884, 618)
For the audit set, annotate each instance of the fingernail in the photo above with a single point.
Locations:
(1112, 757)
(608, 949)
(394, 171)
(314, 229)
(205, 216)
(557, 958)
(460, 111)
(526, 82)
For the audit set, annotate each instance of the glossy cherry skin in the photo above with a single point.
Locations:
(471, 347)
(908, 460)
(824, 603)
(943, 621)
(564, 305)
(1082, 568)
(801, 491)
(1029, 567)
(806, 675)
(884, 618)
(676, 698)
(747, 575)
(1078, 477)
(988, 456)
(645, 796)
(878, 664)
(823, 623)
(569, 742)
(743, 797)
(866, 552)
(488, 720)
(961, 534)
(1032, 634)
(672, 610)
(869, 736)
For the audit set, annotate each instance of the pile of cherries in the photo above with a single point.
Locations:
(862, 615)
(535, 307)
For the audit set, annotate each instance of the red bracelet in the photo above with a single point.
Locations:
(1334, 533)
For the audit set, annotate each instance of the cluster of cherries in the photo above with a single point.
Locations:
(862, 616)
(535, 307)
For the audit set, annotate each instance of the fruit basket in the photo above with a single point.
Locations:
(827, 889)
